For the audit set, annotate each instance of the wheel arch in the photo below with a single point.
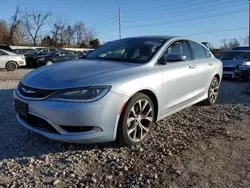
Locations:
(152, 96)
(11, 61)
(217, 76)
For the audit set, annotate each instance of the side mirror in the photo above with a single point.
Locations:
(174, 58)
(162, 61)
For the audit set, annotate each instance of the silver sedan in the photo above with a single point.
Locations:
(11, 61)
(119, 90)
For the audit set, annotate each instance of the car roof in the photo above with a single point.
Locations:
(155, 37)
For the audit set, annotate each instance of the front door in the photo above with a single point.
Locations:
(179, 78)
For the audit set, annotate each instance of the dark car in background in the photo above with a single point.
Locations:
(242, 48)
(57, 56)
(236, 64)
(5, 47)
(32, 56)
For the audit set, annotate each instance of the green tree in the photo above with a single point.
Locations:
(94, 43)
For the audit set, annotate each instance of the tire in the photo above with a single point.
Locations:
(212, 92)
(135, 121)
(246, 76)
(49, 62)
(11, 66)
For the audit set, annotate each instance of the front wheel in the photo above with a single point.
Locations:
(212, 92)
(136, 120)
(11, 66)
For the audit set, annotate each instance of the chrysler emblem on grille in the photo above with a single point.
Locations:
(28, 91)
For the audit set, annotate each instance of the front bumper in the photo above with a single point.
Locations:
(234, 72)
(102, 115)
(21, 63)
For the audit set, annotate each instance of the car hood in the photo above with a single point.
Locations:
(79, 73)
(232, 63)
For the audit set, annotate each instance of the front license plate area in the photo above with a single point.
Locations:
(228, 72)
(21, 108)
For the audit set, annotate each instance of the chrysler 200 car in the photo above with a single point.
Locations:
(119, 90)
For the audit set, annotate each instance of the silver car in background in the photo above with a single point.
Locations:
(119, 90)
(11, 61)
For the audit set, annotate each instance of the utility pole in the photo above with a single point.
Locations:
(249, 24)
(119, 19)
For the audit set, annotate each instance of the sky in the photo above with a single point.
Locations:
(202, 20)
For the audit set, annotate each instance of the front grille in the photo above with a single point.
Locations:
(228, 69)
(38, 123)
(27, 91)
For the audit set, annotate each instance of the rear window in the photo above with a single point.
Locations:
(234, 55)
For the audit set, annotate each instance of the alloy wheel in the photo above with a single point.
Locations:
(214, 89)
(139, 120)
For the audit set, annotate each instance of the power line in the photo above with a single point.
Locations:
(104, 20)
(168, 8)
(218, 31)
(193, 9)
(173, 22)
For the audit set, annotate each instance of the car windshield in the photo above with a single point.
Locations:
(234, 55)
(136, 50)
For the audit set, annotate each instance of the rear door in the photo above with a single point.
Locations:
(179, 78)
(205, 68)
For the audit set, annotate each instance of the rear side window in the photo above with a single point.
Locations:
(207, 52)
(198, 51)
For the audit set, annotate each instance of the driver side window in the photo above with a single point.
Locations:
(178, 48)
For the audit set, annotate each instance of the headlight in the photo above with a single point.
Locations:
(81, 95)
(246, 63)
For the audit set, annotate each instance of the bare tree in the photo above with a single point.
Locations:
(14, 26)
(34, 22)
(83, 34)
(79, 31)
(68, 34)
(4, 32)
(230, 43)
(57, 27)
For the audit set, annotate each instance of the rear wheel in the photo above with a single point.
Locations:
(11, 66)
(212, 92)
(136, 120)
(246, 76)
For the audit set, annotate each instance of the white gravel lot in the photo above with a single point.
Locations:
(197, 147)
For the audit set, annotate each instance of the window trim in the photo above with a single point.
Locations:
(169, 45)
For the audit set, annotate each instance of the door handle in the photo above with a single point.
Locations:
(210, 64)
(192, 66)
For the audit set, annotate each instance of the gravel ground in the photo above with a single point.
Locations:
(197, 147)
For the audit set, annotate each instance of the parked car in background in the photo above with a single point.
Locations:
(236, 64)
(57, 56)
(31, 57)
(242, 48)
(119, 90)
(22, 51)
(5, 47)
(10, 60)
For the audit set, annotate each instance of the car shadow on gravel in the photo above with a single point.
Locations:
(16, 141)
